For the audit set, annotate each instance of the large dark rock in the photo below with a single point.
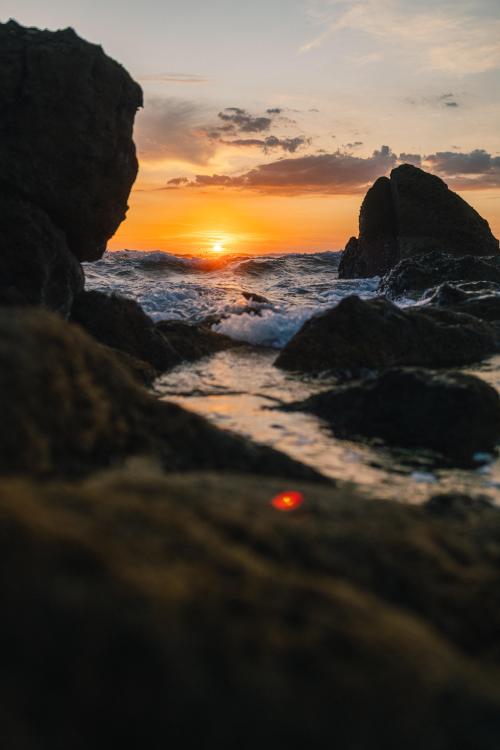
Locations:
(414, 276)
(358, 334)
(412, 213)
(122, 324)
(68, 408)
(36, 266)
(377, 246)
(455, 414)
(66, 118)
(166, 612)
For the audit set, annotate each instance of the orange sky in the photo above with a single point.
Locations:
(193, 220)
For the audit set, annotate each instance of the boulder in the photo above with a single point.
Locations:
(409, 214)
(68, 408)
(471, 298)
(66, 118)
(414, 276)
(192, 341)
(454, 414)
(359, 334)
(148, 611)
(122, 324)
(36, 266)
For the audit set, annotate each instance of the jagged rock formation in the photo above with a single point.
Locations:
(67, 158)
(412, 213)
(358, 334)
(454, 414)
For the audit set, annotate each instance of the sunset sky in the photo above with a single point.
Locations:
(265, 121)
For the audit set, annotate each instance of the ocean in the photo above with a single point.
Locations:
(240, 389)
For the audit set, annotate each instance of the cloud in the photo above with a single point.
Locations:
(355, 144)
(343, 173)
(476, 168)
(241, 121)
(172, 128)
(291, 145)
(172, 78)
(441, 100)
(337, 173)
(453, 36)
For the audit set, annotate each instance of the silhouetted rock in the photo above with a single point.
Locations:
(413, 213)
(141, 371)
(472, 298)
(122, 324)
(36, 267)
(140, 611)
(66, 118)
(377, 246)
(358, 334)
(68, 408)
(192, 341)
(414, 276)
(454, 414)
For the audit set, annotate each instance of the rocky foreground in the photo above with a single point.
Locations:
(151, 592)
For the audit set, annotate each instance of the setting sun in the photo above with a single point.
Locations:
(217, 248)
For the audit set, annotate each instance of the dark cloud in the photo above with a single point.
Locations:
(475, 169)
(291, 145)
(414, 159)
(356, 144)
(452, 104)
(274, 111)
(177, 181)
(241, 121)
(320, 173)
(441, 100)
(172, 128)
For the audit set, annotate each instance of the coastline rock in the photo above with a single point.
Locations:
(36, 267)
(454, 414)
(143, 602)
(68, 409)
(359, 334)
(414, 276)
(469, 298)
(66, 118)
(412, 213)
(121, 323)
(192, 341)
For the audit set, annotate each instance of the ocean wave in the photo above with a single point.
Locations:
(272, 328)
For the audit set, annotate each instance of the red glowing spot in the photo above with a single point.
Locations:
(287, 501)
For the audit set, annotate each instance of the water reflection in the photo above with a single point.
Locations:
(239, 390)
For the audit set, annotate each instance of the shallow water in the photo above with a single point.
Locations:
(241, 390)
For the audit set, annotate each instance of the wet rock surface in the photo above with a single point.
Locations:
(193, 342)
(121, 323)
(68, 408)
(378, 620)
(413, 276)
(358, 334)
(407, 215)
(454, 414)
(474, 298)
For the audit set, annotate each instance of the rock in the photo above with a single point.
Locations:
(413, 213)
(36, 267)
(254, 297)
(464, 298)
(141, 371)
(377, 247)
(68, 408)
(414, 276)
(66, 118)
(122, 324)
(454, 414)
(358, 334)
(140, 611)
(193, 342)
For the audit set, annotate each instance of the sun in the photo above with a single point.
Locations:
(217, 247)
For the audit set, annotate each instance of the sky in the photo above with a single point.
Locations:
(265, 122)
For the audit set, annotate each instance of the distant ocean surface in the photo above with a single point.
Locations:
(240, 389)
(297, 286)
